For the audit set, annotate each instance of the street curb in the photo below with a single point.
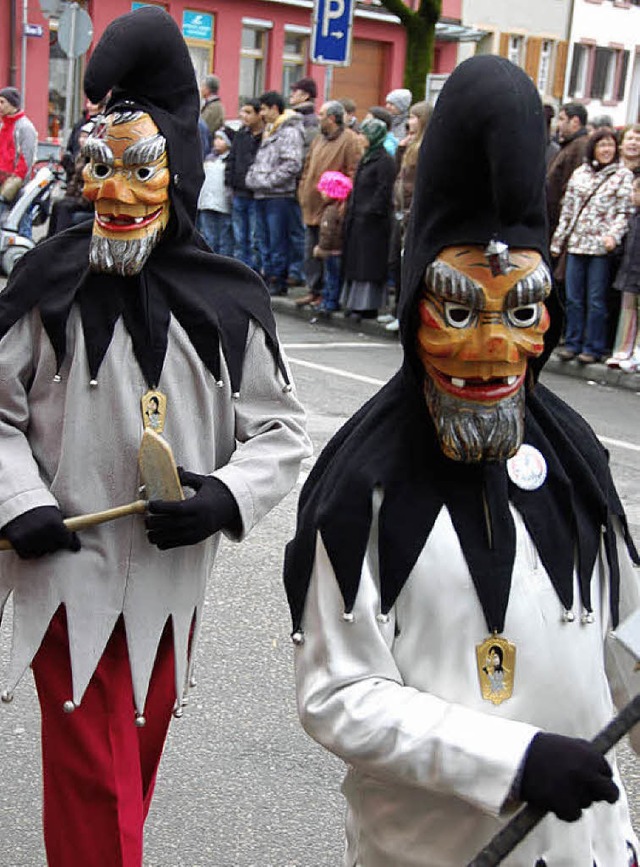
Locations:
(595, 373)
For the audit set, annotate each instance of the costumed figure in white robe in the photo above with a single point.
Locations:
(112, 327)
(461, 554)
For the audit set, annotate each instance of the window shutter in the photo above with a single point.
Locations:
(623, 76)
(532, 57)
(504, 45)
(600, 69)
(560, 69)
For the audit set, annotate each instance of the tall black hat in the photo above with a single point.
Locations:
(481, 175)
(143, 60)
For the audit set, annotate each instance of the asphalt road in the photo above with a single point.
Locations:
(241, 785)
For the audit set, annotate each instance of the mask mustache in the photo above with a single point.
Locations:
(125, 258)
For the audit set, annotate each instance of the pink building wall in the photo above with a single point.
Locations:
(228, 25)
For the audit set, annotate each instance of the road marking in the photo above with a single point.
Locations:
(621, 444)
(339, 345)
(336, 371)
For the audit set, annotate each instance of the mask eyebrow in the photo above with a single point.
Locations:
(451, 285)
(531, 289)
(145, 151)
(97, 150)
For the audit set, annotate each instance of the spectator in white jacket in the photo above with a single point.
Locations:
(214, 202)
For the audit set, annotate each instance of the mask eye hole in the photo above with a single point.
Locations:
(525, 316)
(101, 171)
(144, 173)
(458, 315)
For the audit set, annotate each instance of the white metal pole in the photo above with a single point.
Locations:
(68, 120)
(328, 81)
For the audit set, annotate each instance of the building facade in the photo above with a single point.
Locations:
(604, 59)
(532, 35)
(585, 51)
(252, 45)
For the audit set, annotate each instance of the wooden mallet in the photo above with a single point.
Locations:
(158, 474)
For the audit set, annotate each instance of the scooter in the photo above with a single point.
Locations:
(35, 195)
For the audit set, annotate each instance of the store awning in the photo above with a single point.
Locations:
(449, 32)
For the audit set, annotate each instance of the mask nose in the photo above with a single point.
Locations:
(116, 187)
(489, 342)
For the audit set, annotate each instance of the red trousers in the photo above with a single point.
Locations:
(99, 768)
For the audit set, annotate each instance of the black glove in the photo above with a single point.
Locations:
(564, 775)
(40, 531)
(172, 524)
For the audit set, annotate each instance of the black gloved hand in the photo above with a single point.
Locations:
(40, 531)
(172, 524)
(564, 775)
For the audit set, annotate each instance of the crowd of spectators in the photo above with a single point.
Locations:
(308, 196)
(592, 199)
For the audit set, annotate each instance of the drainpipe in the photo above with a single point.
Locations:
(23, 70)
(12, 42)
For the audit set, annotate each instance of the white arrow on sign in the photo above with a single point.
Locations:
(338, 34)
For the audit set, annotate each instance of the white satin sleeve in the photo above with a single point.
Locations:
(352, 700)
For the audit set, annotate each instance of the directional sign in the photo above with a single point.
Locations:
(33, 30)
(75, 31)
(332, 26)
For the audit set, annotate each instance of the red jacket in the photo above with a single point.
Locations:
(18, 141)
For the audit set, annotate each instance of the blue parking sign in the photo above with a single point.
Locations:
(332, 26)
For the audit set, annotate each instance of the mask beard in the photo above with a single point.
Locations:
(126, 258)
(469, 432)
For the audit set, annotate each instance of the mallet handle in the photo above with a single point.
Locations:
(81, 522)
(506, 840)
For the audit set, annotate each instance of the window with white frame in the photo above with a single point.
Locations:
(294, 58)
(514, 51)
(544, 65)
(579, 70)
(253, 54)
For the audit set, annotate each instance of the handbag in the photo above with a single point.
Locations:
(10, 188)
(560, 268)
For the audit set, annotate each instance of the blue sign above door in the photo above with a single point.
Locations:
(197, 25)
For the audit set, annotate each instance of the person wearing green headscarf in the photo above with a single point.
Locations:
(368, 226)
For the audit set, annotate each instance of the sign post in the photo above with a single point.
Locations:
(75, 32)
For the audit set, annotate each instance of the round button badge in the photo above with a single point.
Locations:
(527, 468)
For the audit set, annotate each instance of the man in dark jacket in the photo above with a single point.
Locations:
(302, 100)
(572, 134)
(247, 240)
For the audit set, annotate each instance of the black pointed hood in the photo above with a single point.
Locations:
(143, 60)
(480, 176)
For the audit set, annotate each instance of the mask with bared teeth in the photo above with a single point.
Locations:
(476, 332)
(127, 178)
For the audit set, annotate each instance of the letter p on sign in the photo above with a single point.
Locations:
(333, 9)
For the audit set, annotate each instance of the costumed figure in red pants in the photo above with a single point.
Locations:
(461, 552)
(117, 325)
